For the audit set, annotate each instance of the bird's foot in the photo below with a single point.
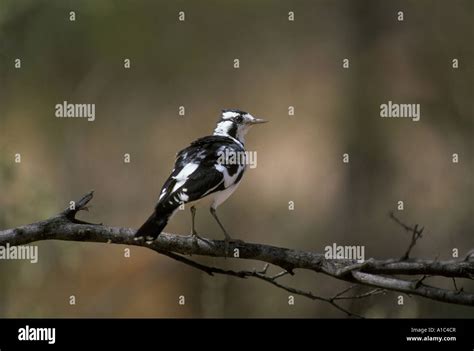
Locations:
(195, 238)
(194, 235)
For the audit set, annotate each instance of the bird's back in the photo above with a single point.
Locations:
(198, 171)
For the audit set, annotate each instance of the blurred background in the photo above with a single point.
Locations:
(190, 64)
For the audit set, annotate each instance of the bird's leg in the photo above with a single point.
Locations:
(228, 238)
(194, 234)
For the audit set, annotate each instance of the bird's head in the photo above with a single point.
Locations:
(236, 123)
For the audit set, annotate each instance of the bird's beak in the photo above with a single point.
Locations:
(258, 121)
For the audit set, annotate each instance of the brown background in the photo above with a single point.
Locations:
(299, 158)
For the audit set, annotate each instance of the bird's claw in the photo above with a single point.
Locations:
(195, 238)
(194, 235)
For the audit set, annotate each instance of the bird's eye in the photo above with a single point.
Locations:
(239, 119)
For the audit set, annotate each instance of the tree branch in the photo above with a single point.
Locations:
(416, 234)
(378, 274)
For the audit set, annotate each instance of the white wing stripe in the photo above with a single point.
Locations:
(183, 175)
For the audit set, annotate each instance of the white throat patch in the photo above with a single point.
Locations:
(223, 127)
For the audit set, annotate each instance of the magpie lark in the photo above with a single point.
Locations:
(200, 176)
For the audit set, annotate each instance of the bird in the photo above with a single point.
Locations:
(203, 174)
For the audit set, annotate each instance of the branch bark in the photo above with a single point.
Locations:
(374, 273)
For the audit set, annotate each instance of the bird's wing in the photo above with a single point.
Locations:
(195, 174)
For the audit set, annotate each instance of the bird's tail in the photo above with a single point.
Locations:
(153, 226)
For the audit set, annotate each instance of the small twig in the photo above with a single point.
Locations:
(416, 234)
(398, 221)
(456, 286)
(279, 275)
(373, 292)
(418, 282)
(469, 255)
(306, 294)
(81, 205)
(264, 269)
(260, 275)
(335, 297)
(360, 296)
(207, 269)
(78, 206)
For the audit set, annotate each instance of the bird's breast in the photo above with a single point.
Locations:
(220, 196)
(215, 199)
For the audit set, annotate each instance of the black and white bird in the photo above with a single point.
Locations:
(201, 176)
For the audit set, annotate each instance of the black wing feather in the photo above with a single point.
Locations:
(206, 179)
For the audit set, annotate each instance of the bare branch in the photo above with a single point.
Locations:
(364, 295)
(456, 286)
(469, 255)
(372, 292)
(260, 275)
(407, 287)
(419, 281)
(398, 221)
(416, 234)
(335, 297)
(379, 274)
(306, 294)
(281, 274)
